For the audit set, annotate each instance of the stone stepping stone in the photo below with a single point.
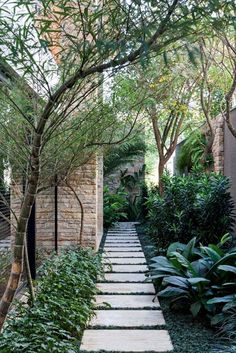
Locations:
(127, 254)
(125, 277)
(126, 341)
(125, 245)
(122, 241)
(120, 233)
(127, 318)
(127, 261)
(113, 239)
(126, 268)
(111, 244)
(126, 301)
(116, 248)
(125, 288)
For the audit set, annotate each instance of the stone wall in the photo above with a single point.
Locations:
(86, 186)
(230, 157)
(218, 145)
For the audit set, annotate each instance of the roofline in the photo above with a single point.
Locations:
(8, 74)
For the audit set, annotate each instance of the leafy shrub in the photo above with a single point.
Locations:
(199, 278)
(197, 205)
(62, 307)
(114, 206)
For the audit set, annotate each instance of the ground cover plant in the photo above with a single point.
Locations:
(198, 205)
(62, 307)
(199, 278)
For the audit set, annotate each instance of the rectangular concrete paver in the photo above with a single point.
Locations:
(126, 288)
(128, 254)
(123, 236)
(123, 260)
(127, 318)
(121, 249)
(125, 277)
(122, 242)
(126, 268)
(121, 245)
(126, 301)
(123, 239)
(126, 341)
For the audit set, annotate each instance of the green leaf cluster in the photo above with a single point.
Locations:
(62, 308)
(198, 205)
(199, 278)
(114, 206)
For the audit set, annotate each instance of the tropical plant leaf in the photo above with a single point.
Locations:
(227, 268)
(195, 308)
(172, 292)
(177, 281)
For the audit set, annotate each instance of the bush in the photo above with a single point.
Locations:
(63, 306)
(114, 206)
(197, 205)
(201, 278)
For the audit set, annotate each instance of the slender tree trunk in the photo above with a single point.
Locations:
(161, 167)
(18, 248)
(28, 274)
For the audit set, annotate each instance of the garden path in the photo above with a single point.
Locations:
(127, 319)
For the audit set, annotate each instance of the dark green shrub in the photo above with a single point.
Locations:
(201, 278)
(197, 205)
(114, 205)
(62, 307)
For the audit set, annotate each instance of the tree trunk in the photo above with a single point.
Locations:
(161, 167)
(28, 274)
(18, 248)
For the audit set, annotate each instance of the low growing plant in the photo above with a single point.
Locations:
(199, 278)
(62, 308)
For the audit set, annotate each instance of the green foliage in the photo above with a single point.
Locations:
(122, 154)
(133, 184)
(226, 319)
(114, 206)
(197, 205)
(200, 278)
(63, 306)
(225, 347)
(192, 153)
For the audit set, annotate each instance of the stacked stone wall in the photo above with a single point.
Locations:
(86, 186)
(218, 145)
